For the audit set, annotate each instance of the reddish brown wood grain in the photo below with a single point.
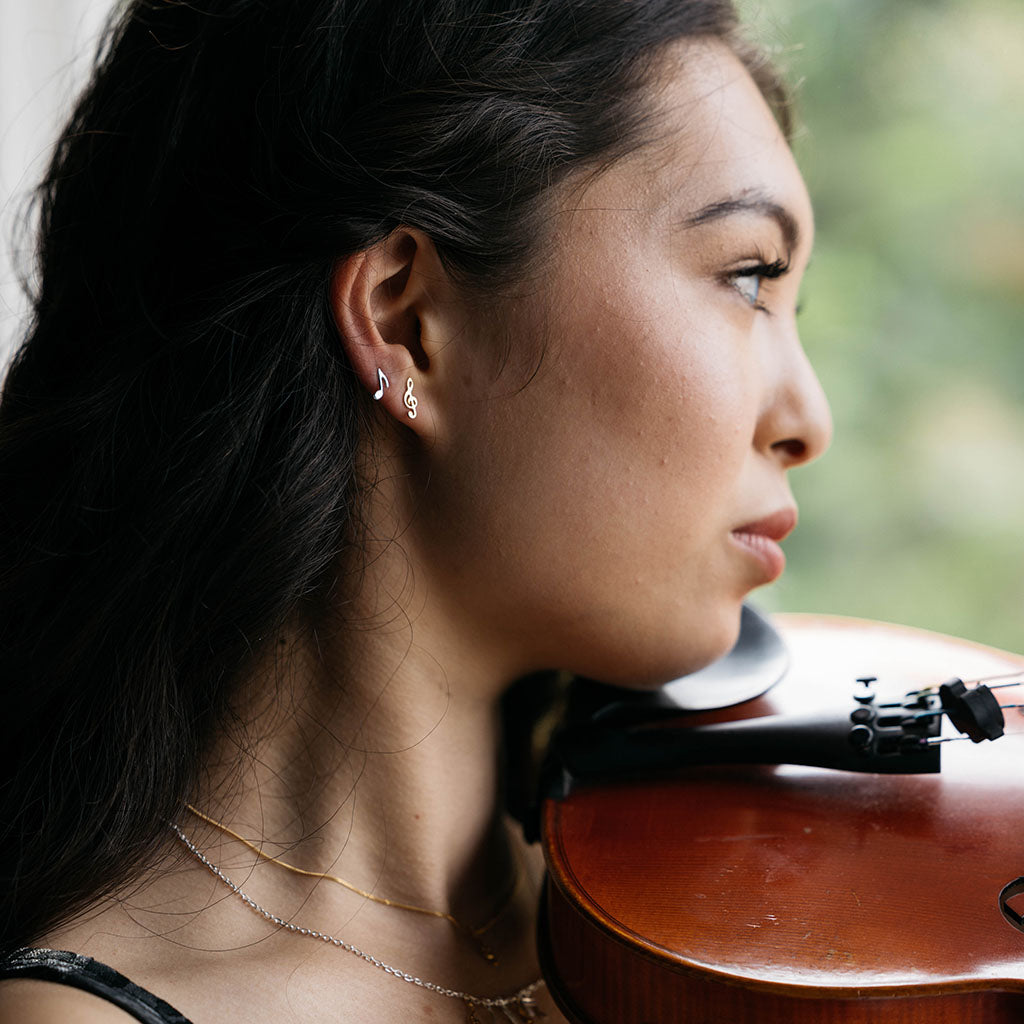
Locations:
(739, 894)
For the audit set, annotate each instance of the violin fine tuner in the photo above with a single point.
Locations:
(973, 712)
(976, 712)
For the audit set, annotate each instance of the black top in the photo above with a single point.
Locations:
(85, 973)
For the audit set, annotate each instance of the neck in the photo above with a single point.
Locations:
(381, 766)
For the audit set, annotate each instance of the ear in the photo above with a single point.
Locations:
(390, 305)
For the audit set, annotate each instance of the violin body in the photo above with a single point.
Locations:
(735, 894)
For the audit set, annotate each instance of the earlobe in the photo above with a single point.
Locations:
(379, 298)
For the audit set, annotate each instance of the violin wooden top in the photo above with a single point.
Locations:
(804, 880)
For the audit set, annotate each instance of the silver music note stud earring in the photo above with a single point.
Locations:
(384, 383)
(410, 400)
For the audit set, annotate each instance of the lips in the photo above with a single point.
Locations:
(777, 526)
(760, 540)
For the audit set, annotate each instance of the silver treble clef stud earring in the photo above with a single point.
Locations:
(411, 401)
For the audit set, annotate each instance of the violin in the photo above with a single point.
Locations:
(685, 887)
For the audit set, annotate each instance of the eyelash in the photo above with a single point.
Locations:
(763, 271)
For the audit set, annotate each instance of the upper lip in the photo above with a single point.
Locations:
(776, 526)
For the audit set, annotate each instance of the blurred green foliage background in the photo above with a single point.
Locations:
(912, 143)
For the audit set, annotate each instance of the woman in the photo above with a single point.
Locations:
(383, 354)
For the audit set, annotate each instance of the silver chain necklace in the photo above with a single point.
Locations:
(520, 1007)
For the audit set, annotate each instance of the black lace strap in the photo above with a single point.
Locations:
(91, 976)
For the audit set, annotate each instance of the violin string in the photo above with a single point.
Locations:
(1002, 675)
(942, 711)
(933, 691)
(931, 741)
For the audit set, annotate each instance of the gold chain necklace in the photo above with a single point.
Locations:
(519, 1008)
(474, 935)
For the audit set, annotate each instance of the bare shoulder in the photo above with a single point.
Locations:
(29, 1001)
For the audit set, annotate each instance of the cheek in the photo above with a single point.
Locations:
(675, 399)
(590, 508)
(627, 459)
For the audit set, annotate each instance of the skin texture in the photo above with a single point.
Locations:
(586, 516)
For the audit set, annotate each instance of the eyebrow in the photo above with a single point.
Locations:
(756, 203)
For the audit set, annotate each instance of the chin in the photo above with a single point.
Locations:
(651, 666)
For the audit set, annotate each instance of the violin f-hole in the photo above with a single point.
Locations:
(1013, 917)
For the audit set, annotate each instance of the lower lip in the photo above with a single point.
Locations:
(765, 550)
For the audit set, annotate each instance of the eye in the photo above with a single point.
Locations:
(747, 280)
(748, 284)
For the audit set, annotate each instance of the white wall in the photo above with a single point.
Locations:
(45, 51)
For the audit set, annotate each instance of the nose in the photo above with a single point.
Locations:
(795, 426)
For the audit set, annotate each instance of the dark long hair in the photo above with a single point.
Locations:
(178, 430)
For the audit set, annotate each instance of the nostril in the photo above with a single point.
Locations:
(793, 448)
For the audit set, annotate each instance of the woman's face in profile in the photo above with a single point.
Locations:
(615, 511)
